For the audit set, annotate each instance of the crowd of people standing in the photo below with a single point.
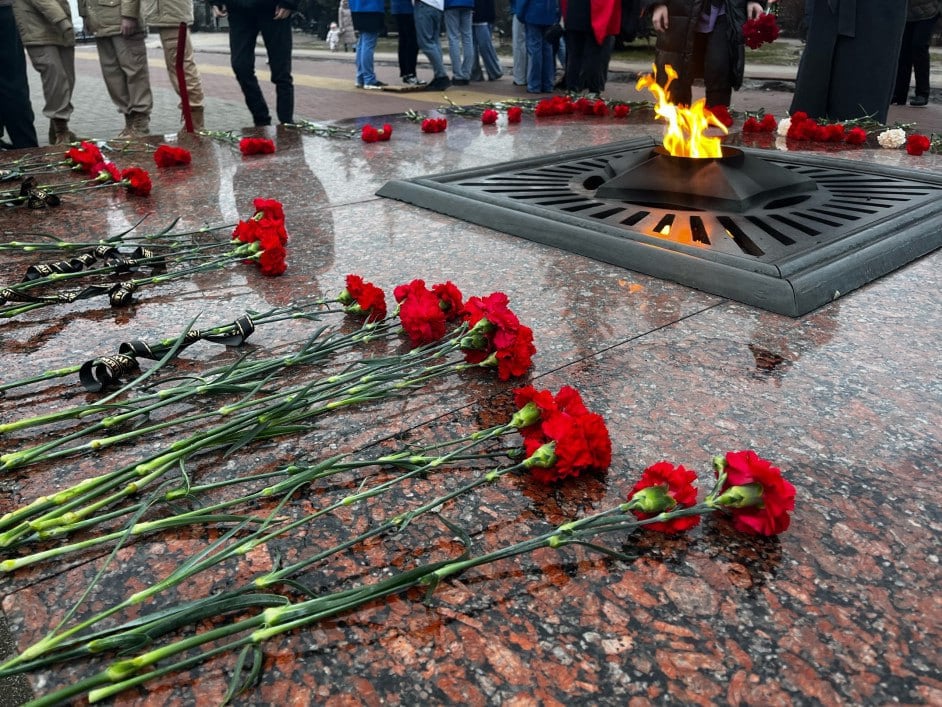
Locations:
(860, 55)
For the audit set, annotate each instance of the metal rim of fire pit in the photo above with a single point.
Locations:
(786, 255)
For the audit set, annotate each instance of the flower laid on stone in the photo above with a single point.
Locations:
(434, 125)
(256, 146)
(721, 113)
(321, 130)
(514, 114)
(760, 30)
(171, 156)
(892, 138)
(766, 124)
(489, 116)
(560, 440)
(259, 240)
(621, 110)
(371, 134)
(917, 144)
(136, 180)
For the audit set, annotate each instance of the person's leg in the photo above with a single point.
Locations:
(921, 39)
(716, 66)
(487, 52)
(366, 47)
(408, 47)
(519, 40)
(904, 66)
(535, 57)
(243, 34)
(427, 22)
(477, 73)
(547, 65)
(16, 111)
(467, 42)
(594, 64)
(132, 58)
(575, 44)
(57, 78)
(453, 32)
(278, 44)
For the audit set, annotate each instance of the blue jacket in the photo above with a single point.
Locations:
(367, 6)
(401, 7)
(537, 12)
(449, 4)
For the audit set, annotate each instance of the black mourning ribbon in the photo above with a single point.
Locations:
(36, 198)
(106, 371)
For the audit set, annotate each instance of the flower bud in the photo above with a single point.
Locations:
(741, 496)
(528, 415)
(543, 457)
(652, 499)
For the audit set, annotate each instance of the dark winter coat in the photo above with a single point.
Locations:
(923, 10)
(675, 46)
(848, 66)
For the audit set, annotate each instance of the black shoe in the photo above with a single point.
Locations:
(438, 84)
(262, 122)
(460, 82)
(375, 86)
(412, 80)
(919, 101)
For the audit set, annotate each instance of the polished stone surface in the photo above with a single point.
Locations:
(846, 400)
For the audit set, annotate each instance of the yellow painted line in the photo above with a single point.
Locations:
(457, 95)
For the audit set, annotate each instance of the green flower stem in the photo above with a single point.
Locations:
(280, 619)
(211, 556)
(38, 378)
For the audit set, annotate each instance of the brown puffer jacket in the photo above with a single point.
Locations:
(103, 17)
(675, 46)
(44, 22)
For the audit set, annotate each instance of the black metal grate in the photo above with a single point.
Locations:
(789, 255)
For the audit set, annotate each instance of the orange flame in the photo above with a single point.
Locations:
(685, 135)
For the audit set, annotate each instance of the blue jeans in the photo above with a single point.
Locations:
(484, 48)
(519, 34)
(541, 66)
(460, 42)
(366, 45)
(428, 24)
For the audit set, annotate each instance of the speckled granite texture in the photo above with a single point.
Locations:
(844, 608)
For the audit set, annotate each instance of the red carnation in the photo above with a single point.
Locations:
(363, 298)
(496, 336)
(567, 440)
(270, 208)
(450, 300)
(170, 156)
(754, 493)
(514, 114)
(769, 124)
(600, 108)
(256, 146)
(271, 261)
(385, 132)
(137, 181)
(721, 113)
(369, 134)
(855, 136)
(85, 156)
(760, 30)
(106, 172)
(422, 318)
(434, 125)
(489, 116)
(670, 487)
(621, 110)
(917, 144)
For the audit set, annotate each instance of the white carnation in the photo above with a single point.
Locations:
(892, 138)
(783, 125)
